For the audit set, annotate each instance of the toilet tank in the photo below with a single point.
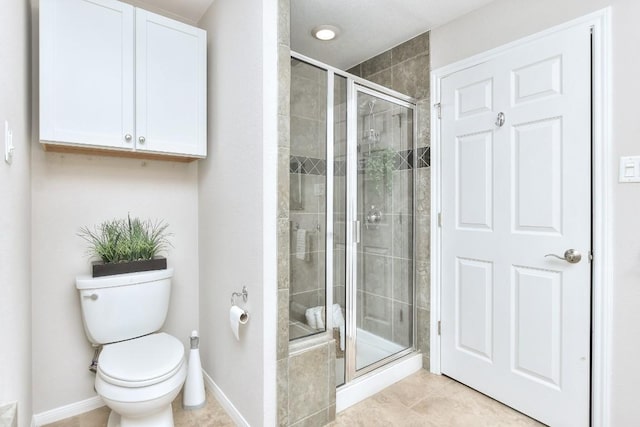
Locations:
(124, 306)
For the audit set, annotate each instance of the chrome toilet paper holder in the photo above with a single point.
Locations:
(244, 294)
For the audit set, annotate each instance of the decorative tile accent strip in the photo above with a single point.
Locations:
(405, 159)
(424, 157)
(307, 165)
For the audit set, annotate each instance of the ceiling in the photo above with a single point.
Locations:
(188, 10)
(367, 27)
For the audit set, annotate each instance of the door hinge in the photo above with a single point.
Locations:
(440, 219)
(590, 256)
(438, 108)
(439, 327)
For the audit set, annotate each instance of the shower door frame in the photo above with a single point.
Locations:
(356, 84)
(354, 87)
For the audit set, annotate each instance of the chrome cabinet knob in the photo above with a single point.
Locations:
(570, 255)
(141, 140)
(127, 137)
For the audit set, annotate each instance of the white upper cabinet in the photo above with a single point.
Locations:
(86, 72)
(117, 77)
(170, 85)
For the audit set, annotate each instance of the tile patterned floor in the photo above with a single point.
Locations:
(427, 400)
(421, 400)
(211, 415)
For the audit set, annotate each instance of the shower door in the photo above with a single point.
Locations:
(380, 209)
(352, 157)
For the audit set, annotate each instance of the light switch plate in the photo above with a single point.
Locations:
(629, 169)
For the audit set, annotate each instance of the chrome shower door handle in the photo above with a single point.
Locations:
(570, 255)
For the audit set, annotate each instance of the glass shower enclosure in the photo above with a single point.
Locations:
(352, 216)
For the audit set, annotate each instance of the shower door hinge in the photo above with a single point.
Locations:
(439, 327)
(438, 108)
(440, 219)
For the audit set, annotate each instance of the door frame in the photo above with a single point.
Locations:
(601, 306)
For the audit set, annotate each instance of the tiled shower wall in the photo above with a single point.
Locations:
(305, 376)
(306, 392)
(406, 69)
(284, 82)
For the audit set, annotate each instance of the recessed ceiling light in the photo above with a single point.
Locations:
(325, 32)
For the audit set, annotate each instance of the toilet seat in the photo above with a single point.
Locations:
(141, 362)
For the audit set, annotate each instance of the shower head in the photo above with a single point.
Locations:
(368, 103)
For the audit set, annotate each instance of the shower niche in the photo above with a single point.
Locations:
(351, 211)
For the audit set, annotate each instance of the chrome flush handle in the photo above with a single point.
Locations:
(570, 255)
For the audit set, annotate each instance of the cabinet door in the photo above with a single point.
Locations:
(170, 86)
(86, 72)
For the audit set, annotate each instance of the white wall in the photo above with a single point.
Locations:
(506, 20)
(71, 191)
(15, 288)
(237, 190)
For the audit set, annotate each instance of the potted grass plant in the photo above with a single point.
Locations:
(126, 245)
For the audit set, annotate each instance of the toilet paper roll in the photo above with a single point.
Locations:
(237, 317)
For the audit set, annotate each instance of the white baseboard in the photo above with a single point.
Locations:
(377, 380)
(67, 411)
(224, 401)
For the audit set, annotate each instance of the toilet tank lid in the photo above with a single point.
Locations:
(88, 282)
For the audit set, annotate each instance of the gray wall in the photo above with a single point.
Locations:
(237, 205)
(15, 224)
(69, 191)
(503, 21)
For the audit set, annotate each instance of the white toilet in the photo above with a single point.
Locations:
(140, 371)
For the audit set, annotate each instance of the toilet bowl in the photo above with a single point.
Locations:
(140, 370)
(138, 379)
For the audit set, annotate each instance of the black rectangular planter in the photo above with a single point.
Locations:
(100, 269)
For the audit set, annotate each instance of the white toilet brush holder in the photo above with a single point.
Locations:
(193, 396)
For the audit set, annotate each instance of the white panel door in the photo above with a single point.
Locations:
(86, 72)
(516, 323)
(171, 86)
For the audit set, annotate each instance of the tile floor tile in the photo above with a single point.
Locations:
(427, 400)
(211, 415)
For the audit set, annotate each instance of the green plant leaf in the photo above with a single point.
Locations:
(120, 240)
